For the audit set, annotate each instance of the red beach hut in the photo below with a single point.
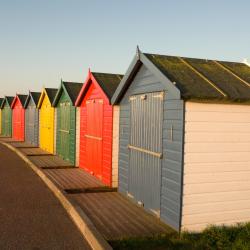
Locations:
(18, 117)
(96, 126)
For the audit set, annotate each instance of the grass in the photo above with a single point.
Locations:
(214, 237)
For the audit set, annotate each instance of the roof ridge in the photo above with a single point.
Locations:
(105, 73)
(202, 76)
(231, 72)
(70, 82)
(119, 76)
(50, 88)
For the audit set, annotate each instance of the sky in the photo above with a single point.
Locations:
(42, 42)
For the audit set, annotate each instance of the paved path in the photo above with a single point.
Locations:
(30, 216)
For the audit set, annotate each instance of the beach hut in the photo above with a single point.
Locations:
(184, 148)
(46, 119)
(32, 118)
(7, 116)
(18, 117)
(96, 126)
(65, 110)
(1, 100)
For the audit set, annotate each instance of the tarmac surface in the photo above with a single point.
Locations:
(30, 216)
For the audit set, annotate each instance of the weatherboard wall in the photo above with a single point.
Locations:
(77, 136)
(145, 81)
(216, 165)
(0, 121)
(115, 145)
(55, 130)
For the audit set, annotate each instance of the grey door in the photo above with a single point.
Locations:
(31, 125)
(145, 149)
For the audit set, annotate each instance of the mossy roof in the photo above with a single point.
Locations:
(22, 98)
(108, 82)
(193, 77)
(51, 94)
(9, 100)
(240, 69)
(73, 89)
(35, 96)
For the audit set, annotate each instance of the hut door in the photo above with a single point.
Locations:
(17, 122)
(5, 122)
(8, 121)
(146, 149)
(94, 137)
(64, 129)
(31, 124)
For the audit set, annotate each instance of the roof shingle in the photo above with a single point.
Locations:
(108, 82)
(73, 89)
(22, 98)
(51, 94)
(35, 96)
(192, 77)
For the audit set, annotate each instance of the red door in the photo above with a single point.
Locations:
(93, 136)
(17, 122)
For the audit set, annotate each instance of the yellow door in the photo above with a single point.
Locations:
(47, 125)
(0, 121)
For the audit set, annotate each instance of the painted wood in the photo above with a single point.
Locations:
(216, 165)
(46, 124)
(32, 123)
(77, 136)
(6, 120)
(104, 173)
(145, 149)
(115, 145)
(146, 81)
(0, 121)
(66, 128)
(18, 120)
(55, 129)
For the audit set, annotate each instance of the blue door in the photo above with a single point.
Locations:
(145, 149)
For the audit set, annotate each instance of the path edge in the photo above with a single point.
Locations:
(77, 215)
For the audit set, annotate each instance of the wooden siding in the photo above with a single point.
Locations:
(55, 130)
(32, 136)
(216, 165)
(71, 125)
(46, 121)
(146, 81)
(0, 121)
(115, 145)
(172, 168)
(77, 136)
(95, 92)
(18, 121)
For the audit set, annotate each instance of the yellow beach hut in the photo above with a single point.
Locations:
(47, 119)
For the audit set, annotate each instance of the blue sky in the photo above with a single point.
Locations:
(44, 41)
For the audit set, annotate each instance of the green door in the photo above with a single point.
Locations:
(6, 121)
(64, 130)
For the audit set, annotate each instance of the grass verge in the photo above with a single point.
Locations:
(214, 237)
